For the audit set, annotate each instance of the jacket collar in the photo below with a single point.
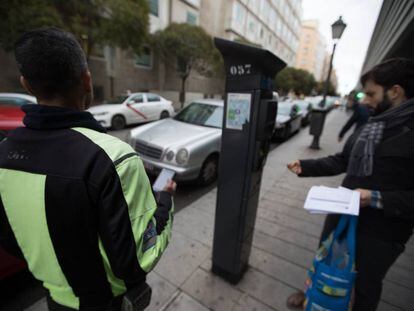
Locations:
(41, 117)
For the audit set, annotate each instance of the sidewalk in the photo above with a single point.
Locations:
(284, 243)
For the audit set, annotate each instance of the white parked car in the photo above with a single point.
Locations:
(120, 111)
(188, 144)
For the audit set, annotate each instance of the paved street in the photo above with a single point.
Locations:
(284, 243)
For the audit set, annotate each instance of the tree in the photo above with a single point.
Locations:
(187, 47)
(18, 16)
(297, 80)
(93, 22)
(320, 88)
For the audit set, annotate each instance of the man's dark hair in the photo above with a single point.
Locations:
(393, 71)
(51, 60)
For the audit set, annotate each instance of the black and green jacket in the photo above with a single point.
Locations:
(76, 203)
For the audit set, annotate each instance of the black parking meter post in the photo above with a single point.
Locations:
(316, 126)
(248, 123)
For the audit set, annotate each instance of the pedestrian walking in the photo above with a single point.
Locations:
(360, 115)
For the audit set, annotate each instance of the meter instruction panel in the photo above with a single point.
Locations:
(238, 110)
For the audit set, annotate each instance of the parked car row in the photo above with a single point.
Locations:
(288, 120)
(190, 142)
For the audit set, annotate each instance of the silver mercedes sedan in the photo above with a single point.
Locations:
(188, 144)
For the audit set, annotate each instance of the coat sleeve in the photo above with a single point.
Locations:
(398, 204)
(351, 121)
(328, 166)
(134, 226)
(331, 165)
(7, 238)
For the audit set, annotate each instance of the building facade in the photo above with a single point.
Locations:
(393, 33)
(311, 54)
(271, 24)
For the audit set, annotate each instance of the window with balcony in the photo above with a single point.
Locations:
(252, 28)
(264, 10)
(153, 7)
(239, 16)
(254, 5)
(272, 18)
(145, 58)
(191, 18)
(195, 3)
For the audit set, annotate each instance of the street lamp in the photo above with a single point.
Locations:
(337, 30)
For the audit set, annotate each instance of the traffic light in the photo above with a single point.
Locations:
(359, 95)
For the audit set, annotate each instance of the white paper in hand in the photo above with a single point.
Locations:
(325, 200)
(162, 179)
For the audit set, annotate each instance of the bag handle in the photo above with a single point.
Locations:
(349, 223)
(340, 228)
(351, 239)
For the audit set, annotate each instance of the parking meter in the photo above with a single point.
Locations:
(317, 122)
(248, 123)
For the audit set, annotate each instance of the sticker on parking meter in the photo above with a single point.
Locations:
(238, 110)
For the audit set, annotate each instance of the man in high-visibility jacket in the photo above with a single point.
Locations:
(75, 202)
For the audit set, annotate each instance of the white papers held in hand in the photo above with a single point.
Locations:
(162, 179)
(326, 200)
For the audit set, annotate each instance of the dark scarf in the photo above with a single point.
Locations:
(41, 117)
(362, 155)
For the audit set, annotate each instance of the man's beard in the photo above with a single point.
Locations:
(384, 105)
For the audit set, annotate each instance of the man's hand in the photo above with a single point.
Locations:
(365, 197)
(295, 167)
(170, 186)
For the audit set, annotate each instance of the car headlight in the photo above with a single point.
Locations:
(170, 155)
(182, 156)
(101, 113)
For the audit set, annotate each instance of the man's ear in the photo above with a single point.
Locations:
(87, 81)
(397, 93)
(26, 85)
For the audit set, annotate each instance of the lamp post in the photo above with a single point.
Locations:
(337, 30)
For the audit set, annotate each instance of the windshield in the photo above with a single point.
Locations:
(283, 110)
(202, 114)
(116, 100)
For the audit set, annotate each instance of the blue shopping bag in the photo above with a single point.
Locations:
(332, 276)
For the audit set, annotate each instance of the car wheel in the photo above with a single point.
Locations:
(164, 115)
(209, 171)
(118, 122)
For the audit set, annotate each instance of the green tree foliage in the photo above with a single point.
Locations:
(188, 47)
(94, 22)
(320, 88)
(18, 16)
(297, 80)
